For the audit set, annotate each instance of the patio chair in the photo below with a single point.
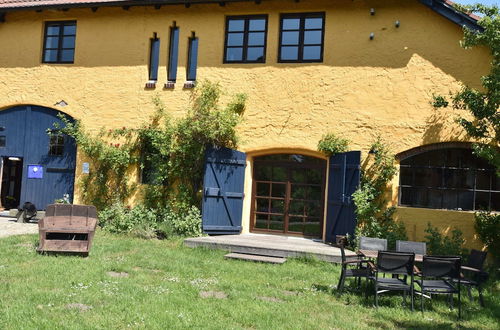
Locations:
(359, 272)
(374, 244)
(437, 276)
(410, 246)
(394, 263)
(472, 274)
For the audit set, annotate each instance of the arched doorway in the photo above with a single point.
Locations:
(288, 195)
(38, 162)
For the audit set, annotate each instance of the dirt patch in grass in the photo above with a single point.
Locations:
(117, 274)
(271, 299)
(290, 293)
(213, 294)
(80, 307)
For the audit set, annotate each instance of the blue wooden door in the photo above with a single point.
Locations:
(25, 131)
(223, 191)
(343, 180)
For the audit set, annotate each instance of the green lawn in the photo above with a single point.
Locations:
(165, 285)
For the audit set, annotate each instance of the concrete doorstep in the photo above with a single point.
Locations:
(255, 258)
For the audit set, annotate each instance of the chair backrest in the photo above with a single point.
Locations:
(410, 246)
(395, 262)
(476, 259)
(441, 266)
(370, 243)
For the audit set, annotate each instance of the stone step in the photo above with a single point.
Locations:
(255, 258)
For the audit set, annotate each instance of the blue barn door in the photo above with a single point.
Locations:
(223, 191)
(24, 129)
(343, 180)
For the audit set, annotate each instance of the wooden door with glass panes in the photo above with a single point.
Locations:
(288, 195)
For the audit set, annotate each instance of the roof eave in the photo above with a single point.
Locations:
(453, 14)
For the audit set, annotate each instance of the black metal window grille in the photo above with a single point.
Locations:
(59, 42)
(56, 144)
(301, 37)
(451, 178)
(246, 38)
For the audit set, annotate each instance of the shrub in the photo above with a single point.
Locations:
(331, 144)
(438, 244)
(488, 228)
(185, 222)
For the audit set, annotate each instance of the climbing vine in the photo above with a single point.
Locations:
(168, 151)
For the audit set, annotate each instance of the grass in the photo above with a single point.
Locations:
(162, 284)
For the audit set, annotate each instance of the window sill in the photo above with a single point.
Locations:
(190, 84)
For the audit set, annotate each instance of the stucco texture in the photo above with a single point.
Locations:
(363, 88)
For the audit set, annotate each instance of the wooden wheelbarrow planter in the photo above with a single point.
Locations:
(67, 228)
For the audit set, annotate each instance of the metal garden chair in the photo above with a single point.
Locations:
(472, 274)
(370, 243)
(437, 277)
(394, 263)
(358, 272)
(410, 246)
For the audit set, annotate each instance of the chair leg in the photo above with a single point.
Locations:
(340, 286)
(412, 295)
(376, 296)
(404, 298)
(459, 304)
(469, 293)
(450, 300)
(422, 300)
(481, 300)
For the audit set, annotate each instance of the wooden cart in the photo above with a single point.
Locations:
(67, 228)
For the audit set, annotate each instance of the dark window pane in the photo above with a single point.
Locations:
(482, 201)
(52, 30)
(68, 42)
(312, 227)
(50, 56)
(279, 174)
(173, 54)
(276, 222)
(291, 23)
(296, 225)
(256, 38)
(278, 190)
(257, 24)
(298, 191)
(434, 199)
(313, 209)
(261, 221)
(312, 37)
(465, 200)
(263, 189)
(277, 206)
(2, 140)
(52, 42)
(495, 201)
(314, 176)
(297, 208)
(192, 59)
(406, 176)
(314, 23)
(262, 205)
(299, 176)
(455, 178)
(255, 54)
(67, 55)
(234, 54)
(290, 38)
(235, 39)
(312, 53)
(315, 193)
(289, 53)
(428, 177)
(69, 29)
(450, 199)
(263, 173)
(483, 180)
(236, 25)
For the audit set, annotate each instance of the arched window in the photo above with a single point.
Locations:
(451, 178)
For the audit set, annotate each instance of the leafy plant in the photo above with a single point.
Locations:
(374, 217)
(483, 105)
(487, 226)
(331, 144)
(438, 244)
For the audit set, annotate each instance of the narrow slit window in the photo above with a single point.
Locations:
(154, 58)
(2, 141)
(56, 144)
(192, 58)
(59, 42)
(173, 54)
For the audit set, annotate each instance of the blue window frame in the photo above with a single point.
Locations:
(192, 58)
(154, 58)
(301, 37)
(59, 42)
(246, 38)
(173, 53)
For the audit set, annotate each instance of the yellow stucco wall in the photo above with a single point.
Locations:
(362, 89)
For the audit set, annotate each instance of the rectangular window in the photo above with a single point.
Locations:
(59, 42)
(301, 37)
(173, 53)
(192, 58)
(154, 58)
(56, 144)
(245, 39)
